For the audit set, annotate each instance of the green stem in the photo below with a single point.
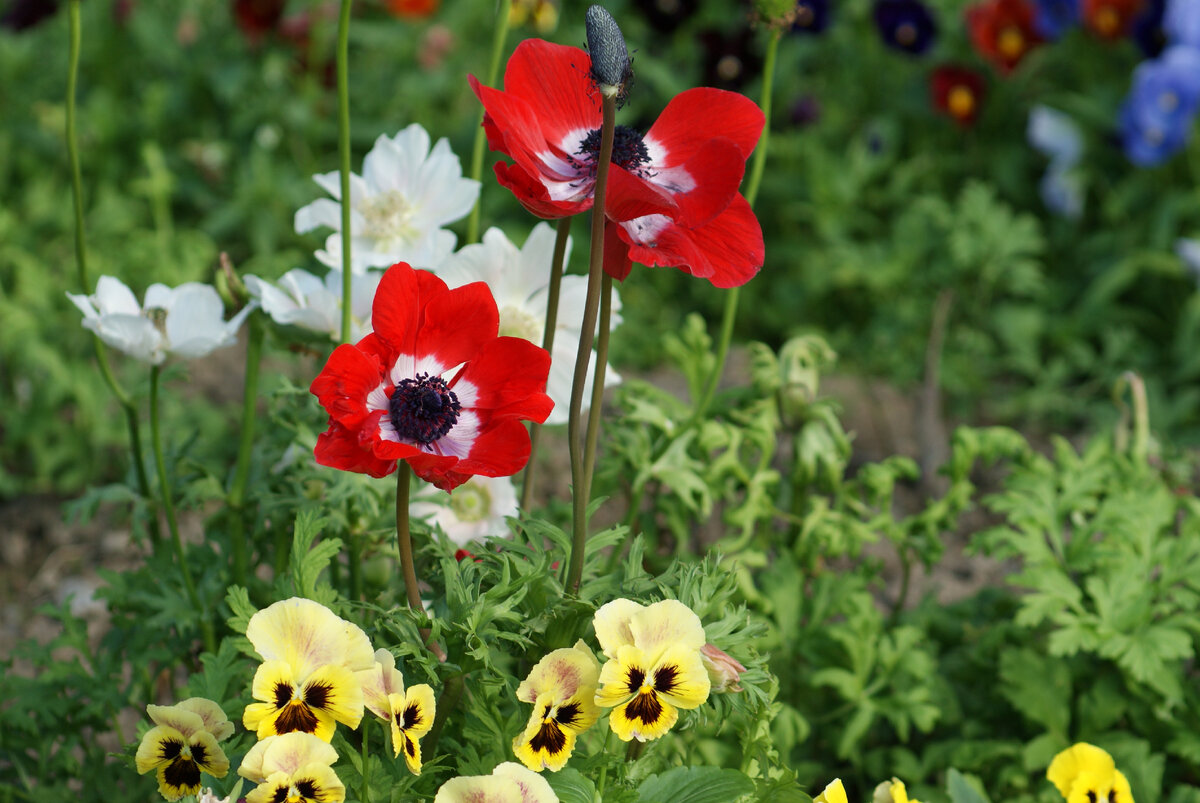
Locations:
(241, 474)
(604, 769)
(168, 504)
(729, 315)
(499, 36)
(354, 559)
(556, 274)
(75, 32)
(452, 692)
(597, 403)
(343, 79)
(579, 471)
(631, 527)
(408, 568)
(365, 794)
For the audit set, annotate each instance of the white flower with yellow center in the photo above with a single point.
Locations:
(654, 667)
(399, 205)
(183, 744)
(410, 712)
(477, 508)
(562, 688)
(292, 768)
(508, 783)
(301, 299)
(307, 680)
(520, 281)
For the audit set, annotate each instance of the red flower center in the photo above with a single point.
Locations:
(629, 151)
(424, 409)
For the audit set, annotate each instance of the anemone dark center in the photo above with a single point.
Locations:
(629, 151)
(423, 409)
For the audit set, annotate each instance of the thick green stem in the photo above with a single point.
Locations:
(237, 490)
(343, 83)
(597, 403)
(579, 470)
(499, 36)
(75, 32)
(408, 567)
(729, 315)
(556, 274)
(168, 504)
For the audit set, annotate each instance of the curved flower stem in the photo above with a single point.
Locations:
(556, 274)
(499, 37)
(404, 544)
(168, 504)
(593, 427)
(579, 470)
(365, 794)
(236, 498)
(343, 79)
(75, 32)
(756, 173)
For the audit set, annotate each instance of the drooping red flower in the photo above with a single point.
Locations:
(957, 92)
(433, 385)
(1003, 31)
(685, 169)
(1111, 19)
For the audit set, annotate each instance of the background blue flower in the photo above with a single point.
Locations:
(1053, 17)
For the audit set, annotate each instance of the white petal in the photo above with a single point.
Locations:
(112, 296)
(321, 212)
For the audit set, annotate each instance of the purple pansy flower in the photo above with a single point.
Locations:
(905, 25)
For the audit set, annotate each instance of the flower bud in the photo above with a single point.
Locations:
(723, 670)
(611, 67)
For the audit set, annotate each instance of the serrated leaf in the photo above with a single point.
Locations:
(308, 561)
(695, 785)
(1038, 687)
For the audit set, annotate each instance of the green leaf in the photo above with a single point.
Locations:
(964, 788)
(1038, 687)
(309, 561)
(571, 786)
(695, 785)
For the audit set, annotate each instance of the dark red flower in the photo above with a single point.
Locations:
(685, 169)
(957, 92)
(412, 9)
(257, 18)
(1003, 31)
(1111, 19)
(433, 385)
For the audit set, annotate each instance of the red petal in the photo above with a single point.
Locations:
(510, 375)
(500, 450)
(339, 448)
(628, 196)
(700, 114)
(533, 196)
(616, 252)
(457, 324)
(343, 384)
(399, 304)
(553, 80)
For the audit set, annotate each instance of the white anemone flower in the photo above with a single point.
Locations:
(399, 205)
(188, 320)
(301, 299)
(520, 282)
(475, 510)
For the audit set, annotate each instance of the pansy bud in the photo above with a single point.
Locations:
(611, 68)
(723, 669)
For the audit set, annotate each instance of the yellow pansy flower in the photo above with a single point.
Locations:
(1085, 773)
(654, 667)
(562, 688)
(508, 783)
(183, 744)
(892, 791)
(295, 767)
(307, 681)
(834, 793)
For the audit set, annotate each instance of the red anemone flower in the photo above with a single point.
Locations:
(686, 169)
(1111, 19)
(1002, 31)
(257, 18)
(957, 92)
(433, 385)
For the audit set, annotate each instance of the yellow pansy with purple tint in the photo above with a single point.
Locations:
(292, 768)
(410, 712)
(562, 688)
(183, 744)
(508, 783)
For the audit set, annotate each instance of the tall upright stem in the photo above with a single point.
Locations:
(343, 83)
(168, 504)
(241, 474)
(499, 36)
(580, 471)
(75, 34)
(556, 274)
(597, 403)
(408, 567)
(757, 165)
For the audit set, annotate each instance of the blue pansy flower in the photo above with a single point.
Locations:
(1148, 28)
(811, 16)
(1051, 18)
(905, 25)
(1181, 22)
(1156, 118)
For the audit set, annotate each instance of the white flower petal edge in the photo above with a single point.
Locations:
(477, 508)
(302, 299)
(408, 192)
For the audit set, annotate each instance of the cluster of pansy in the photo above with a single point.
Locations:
(183, 743)
(657, 662)
(1157, 116)
(1083, 773)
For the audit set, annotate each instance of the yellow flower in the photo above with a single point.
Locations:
(655, 666)
(183, 744)
(892, 791)
(1084, 773)
(562, 688)
(834, 793)
(508, 783)
(410, 713)
(294, 767)
(307, 681)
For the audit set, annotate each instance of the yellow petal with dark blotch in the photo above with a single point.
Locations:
(1102, 787)
(208, 755)
(644, 718)
(315, 783)
(561, 673)
(378, 682)
(548, 746)
(269, 790)
(1079, 758)
(410, 747)
(477, 789)
(679, 677)
(534, 788)
(172, 716)
(179, 778)
(834, 793)
(160, 745)
(275, 683)
(334, 690)
(414, 711)
(307, 635)
(664, 625)
(611, 624)
(578, 713)
(213, 718)
(622, 677)
(256, 714)
(1121, 787)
